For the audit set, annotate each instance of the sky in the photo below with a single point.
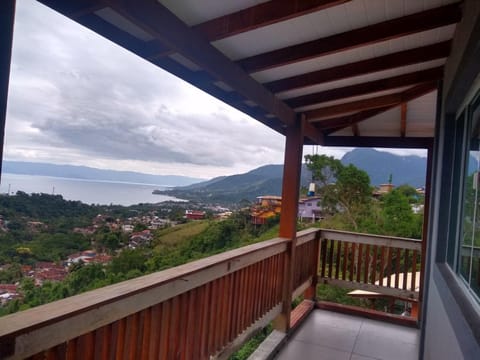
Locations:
(76, 98)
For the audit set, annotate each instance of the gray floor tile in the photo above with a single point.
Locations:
(333, 337)
(400, 333)
(297, 350)
(322, 317)
(360, 357)
(385, 348)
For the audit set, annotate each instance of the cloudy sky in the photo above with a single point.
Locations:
(76, 98)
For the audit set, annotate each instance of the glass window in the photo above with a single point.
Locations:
(469, 254)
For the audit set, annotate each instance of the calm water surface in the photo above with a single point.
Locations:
(88, 191)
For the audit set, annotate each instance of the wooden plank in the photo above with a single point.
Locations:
(263, 14)
(323, 254)
(352, 262)
(392, 241)
(394, 82)
(397, 266)
(389, 266)
(120, 341)
(330, 257)
(345, 260)
(374, 264)
(386, 62)
(414, 269)
(205, 324)
(381, 275)
(391, 29)
(379, 102)
(359, 261)
(165, 330)
(406, 268)
(367, 264)
(158, 21)
(151, 343)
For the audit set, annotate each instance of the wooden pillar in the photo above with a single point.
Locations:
(426, 213)
(288, 218)
(7, 14)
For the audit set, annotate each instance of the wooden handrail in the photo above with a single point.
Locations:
(385, 240)
(35, 330)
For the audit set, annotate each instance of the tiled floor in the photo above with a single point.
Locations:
(327, 335)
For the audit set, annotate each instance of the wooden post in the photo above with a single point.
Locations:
(288, 218)
(7, 15)
(426, 212)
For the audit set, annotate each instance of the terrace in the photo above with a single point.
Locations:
(389, 73)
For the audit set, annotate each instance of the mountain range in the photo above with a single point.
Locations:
(88, 173)
(267, 180)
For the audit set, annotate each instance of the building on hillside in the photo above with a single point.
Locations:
(267, 206)
(194, 214)
(309, 209)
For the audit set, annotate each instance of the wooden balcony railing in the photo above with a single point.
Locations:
(195, 311)
(206, 309)
(384, 264)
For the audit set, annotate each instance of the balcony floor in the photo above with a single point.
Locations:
(326, 335)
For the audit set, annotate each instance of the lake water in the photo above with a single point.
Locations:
(87, 191)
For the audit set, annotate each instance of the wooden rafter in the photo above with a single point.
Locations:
(386, 62)
(368, 87)
(260, 15)
(403, 119)
(332, 125)
(164, 26)
(387, 30)
(379, 141)
(371, 103)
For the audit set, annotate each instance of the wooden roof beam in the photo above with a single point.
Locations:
(379, 141)
(158, 21)
(264, 14)
(392, 29)
(368, 87)
(371, 103)
(402, 58)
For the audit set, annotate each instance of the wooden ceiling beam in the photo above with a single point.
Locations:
(402, 58)
(370, 103)
(379, 141)
(331, 125)
(75, 9)
(264, 14)
(367, 88)
(391, 29)
(159, 22)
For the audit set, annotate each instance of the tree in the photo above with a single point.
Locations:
(341, 188)
(399, 219)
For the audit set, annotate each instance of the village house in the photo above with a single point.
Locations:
(309, 209)
(194, 214)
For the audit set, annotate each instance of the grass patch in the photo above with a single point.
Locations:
(178, 234)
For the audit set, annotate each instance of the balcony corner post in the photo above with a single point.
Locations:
(288, 218)
(7, 16)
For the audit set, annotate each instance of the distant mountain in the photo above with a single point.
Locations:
(88, 173)
(379, 165)
(267, 180)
